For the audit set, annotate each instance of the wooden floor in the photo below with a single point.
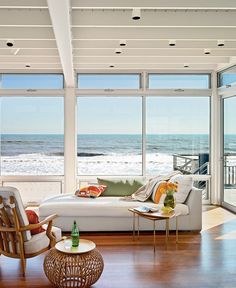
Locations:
(207, 259)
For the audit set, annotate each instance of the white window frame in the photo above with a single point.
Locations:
(144, 92)
(70, 181)
(34, 93)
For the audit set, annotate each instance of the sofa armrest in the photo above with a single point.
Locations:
(194, 202)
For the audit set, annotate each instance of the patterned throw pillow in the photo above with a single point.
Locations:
(157, 194)
(92, 191)
(34, 219)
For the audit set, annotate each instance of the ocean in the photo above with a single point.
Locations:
(116, 154)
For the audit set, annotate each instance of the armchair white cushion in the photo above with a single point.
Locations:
(40, 241)
(15, 236)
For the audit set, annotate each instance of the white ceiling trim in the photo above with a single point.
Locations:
(154, 4)
(154, 52)
(31, 4)
(122, 18)
(154, 33)
(61, 21)
(29, 59)
(21, 66)
(24, 18)
(30, 44)
(149, 60)
(25, 33)
(152, 44)
(150, 66)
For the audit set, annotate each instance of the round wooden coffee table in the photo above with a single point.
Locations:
(74, 267)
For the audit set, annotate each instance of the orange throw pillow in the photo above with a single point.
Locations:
(34, 219)
(92, 191)
(158, 192)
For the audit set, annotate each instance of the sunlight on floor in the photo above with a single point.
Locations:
(228, 236)
(215, 217)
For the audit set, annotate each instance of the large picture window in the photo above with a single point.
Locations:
(32, 136)
(109, 135)
(177, 135)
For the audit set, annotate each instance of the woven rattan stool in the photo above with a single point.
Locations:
(79, 267)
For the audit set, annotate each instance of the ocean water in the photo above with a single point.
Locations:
(100, 154)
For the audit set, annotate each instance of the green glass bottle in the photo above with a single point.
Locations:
(75, 235)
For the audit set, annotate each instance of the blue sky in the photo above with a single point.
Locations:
(106, 115)
(32, 115)
(165, 115)
(32, 81)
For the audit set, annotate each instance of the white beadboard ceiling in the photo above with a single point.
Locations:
(82, 35)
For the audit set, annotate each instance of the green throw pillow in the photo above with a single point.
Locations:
(120, 187)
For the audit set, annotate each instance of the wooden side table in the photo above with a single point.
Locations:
(155, 216)
(75, 267)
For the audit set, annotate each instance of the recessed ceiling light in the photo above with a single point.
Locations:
(136, 14)
(27, 66)
(186, 65)
(207, 51)
(118, 51)
(9, 43)
(122, 42)
(172, 43)
(220, 43)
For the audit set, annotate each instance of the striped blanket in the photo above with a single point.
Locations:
(144, 192)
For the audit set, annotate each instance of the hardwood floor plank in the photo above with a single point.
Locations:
(199, 260)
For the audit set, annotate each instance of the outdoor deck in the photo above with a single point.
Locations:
(199, 164)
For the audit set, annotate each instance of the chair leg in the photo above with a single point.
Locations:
(22, 254)
(23, 265)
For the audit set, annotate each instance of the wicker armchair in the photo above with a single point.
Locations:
(15, 237)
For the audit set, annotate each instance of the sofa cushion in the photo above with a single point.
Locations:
(120, 187)
(185, 184)
(69, 205)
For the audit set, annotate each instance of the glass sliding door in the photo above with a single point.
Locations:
(229, 196)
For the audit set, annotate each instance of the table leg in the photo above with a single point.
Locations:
(138, 227)
(168, 227)
(167, 230)
(177, 228)
(133, 226)
(154, 236)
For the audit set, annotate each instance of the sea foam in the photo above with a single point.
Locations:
(116, 164)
